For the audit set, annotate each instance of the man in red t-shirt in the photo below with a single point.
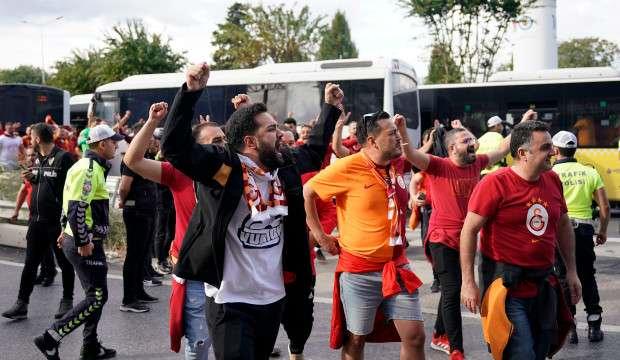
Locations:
(452, 181)
(184, 320)
(522, 214)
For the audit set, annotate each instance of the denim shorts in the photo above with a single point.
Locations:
(361, 296)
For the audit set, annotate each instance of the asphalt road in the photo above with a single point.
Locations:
(145, 336)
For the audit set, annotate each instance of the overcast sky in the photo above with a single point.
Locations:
(378, 27)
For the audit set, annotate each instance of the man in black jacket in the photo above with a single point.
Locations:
(47, 177)
(247, 236)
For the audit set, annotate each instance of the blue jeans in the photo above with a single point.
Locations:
(195, 322)
(522, 345)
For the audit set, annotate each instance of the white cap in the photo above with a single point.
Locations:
(565, 139)
(102, 132)
(495, 120)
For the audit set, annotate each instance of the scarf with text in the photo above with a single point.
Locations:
(261, 207)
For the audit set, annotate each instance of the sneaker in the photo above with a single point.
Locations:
(275, 352)
(319, 254)
(435, 288)
(440, 343)
(48, 346)
(164, 268)
(292, 356)
(595, 334)
(135, 307)
(39, 279)
(96, 351)
(152, 273)
(48, 280)
(152, 282)
(63, 308)
(19, 311)
(572, 335)
(457, 355)
(146, 298)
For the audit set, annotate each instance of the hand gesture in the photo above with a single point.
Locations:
(470, 296)
(529, 115)
(197, 76)
(158, 112)
(456, 123)
(86, 250)
(343, 119)
(240, 101)
(401, 124)
(333, 94)
(329, 243)
(204, 118)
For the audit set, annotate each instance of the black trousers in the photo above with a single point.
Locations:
(164, 232)
(48, 265)
(298, 316)
(139, 228)
(584, 259)
(446, 264)
(243, 331)
(40, 238)
(92, 271)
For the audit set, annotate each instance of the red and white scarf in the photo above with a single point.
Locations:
(262, 207)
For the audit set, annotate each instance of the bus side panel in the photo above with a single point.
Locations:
(66, 108)
(607, 163)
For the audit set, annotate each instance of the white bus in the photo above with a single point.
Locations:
(79, 109)
(297, 88)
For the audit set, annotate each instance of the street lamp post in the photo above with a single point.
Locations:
(40, 26)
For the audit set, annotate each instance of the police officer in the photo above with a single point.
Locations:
(85, 221)
(582, 183)
(490, 141)
(47, 177)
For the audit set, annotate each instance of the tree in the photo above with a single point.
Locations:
(132, 50)
(442, 69)
(24, 74)
(336, 41)
(81, 73)
(251, 36)
(472, 31)
(286, 36)
(236, 48)
(587, 52)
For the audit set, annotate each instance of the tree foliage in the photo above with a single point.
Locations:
(24, 74)
(442, 69)
(336, 40)
(256, 35)
(472, 31)
(587, 52)
(80, 73)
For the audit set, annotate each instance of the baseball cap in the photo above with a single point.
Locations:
(565, 139)
(495, 120)
(102, 132)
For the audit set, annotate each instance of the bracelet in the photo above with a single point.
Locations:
(404, 144)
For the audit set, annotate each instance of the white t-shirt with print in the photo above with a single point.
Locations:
(9, 148)
(252, 258)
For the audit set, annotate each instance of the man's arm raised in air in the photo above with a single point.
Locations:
(414, 156)
(504, 148)
(339, 149)
(199, 162)
(134, 157)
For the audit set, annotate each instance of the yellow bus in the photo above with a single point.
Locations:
(585, 101)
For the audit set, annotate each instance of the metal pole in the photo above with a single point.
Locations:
(42, 58)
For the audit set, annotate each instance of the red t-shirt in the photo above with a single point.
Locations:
(28, 187)
(450, 190)
(182, 189)
(523, 217)
(351, 144)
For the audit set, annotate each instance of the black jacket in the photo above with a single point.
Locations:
(49, 173)
(218, 175)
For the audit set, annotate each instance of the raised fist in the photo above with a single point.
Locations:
(333, 94)
(197, 76)
(241, 100)
(158, 111)
(401, 123)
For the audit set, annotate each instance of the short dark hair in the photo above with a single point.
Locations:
(44, 132)
(369, 125)
(290, 121)
(198, 128)
(567, 152)
(307, 126)
(522, 134)
(242, 123)
(450, 135)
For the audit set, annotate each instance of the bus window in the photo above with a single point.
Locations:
(595, 120)
(139, 102)
(361, 96)
(303, 100)
(406, 99)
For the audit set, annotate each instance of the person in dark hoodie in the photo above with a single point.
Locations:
(247, 236)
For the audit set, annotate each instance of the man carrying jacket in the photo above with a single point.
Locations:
(247, 235)
(85, 210)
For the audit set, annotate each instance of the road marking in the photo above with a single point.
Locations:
(324, 300)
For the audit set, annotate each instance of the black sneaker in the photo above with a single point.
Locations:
(435, 288)
(595, 334)
(63, 308)
(319, 254)
(39, 279)
(146, 298)
(96, 351)
(135, 307)
(573, 338)
(48, 346)
(48, 281)
(275, 352)
(152, 282)
(19, 311)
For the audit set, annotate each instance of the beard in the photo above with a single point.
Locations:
(469, 157)
(271, 156)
